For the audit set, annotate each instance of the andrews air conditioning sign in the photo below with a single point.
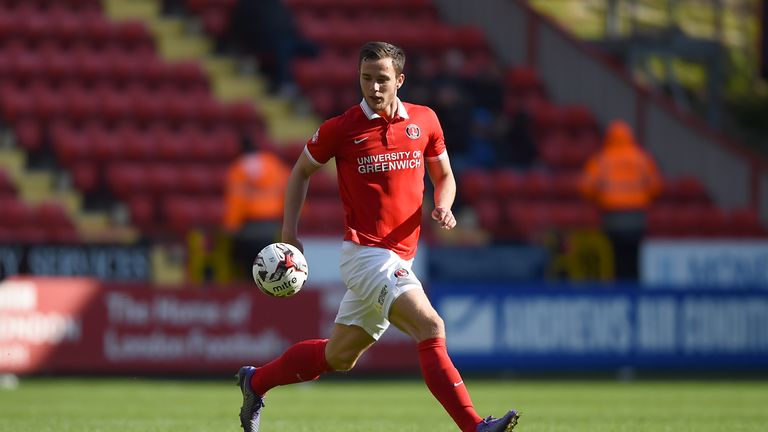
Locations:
(538, 327)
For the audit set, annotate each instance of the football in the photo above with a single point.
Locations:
(280, 270)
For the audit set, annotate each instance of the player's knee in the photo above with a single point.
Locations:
(431, 327)
(341, 362)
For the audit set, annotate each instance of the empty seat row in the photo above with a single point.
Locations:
(562, 151)
(139, 104)
(129, 179)
(506, 184)
(475, 184)
(175, 214)
(64, 26)
(352, 34)
(47, 222)
(73, 5)
(569, 119)
(409, 13)
(523, 220)
(128, 142)
(702, 220)
(7, 186)
(181, 213)
(85, 66)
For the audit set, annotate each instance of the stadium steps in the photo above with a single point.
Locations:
(35, 186)
(177, 39)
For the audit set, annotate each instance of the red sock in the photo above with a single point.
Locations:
(445, 383)
(304, 361)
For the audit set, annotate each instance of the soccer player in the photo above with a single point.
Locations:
(382, 147)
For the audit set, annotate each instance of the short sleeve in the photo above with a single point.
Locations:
(435, 149)
(322, 146)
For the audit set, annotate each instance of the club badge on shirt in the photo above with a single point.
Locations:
(413, 131)
(401, 273)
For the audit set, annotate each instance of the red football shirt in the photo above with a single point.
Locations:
(380, 168)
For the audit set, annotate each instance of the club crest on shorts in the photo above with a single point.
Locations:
(401, 273)
(413, 131)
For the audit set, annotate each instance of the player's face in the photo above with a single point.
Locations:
(379, 83)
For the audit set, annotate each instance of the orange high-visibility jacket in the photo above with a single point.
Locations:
(622, 176)
(255, 189)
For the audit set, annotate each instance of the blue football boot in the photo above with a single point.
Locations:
(250, 412)
(504, 424)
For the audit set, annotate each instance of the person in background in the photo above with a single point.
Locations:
(382, 148)
(267, 28)
(622, 180)
(519, 149)
(253, 205)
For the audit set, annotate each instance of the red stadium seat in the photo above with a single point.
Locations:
(142, 212)
(746, 223)
(509, 184)
(323, 186)
(475, 185)
(7, 186)
(29, 134)
(137, 145)
(195, 179)
(15, 212)
(488, 214)
(85, 176)
(51, 214)
(323, 216)
(162, 179)
(103, 145)
(578, 118)
(171, 146)
(70, 147)
(126, 179)
(181, 214)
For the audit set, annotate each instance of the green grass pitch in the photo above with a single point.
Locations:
(147, 405)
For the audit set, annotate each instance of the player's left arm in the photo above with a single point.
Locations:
(441, 175)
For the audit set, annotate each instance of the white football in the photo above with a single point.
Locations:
(280, 270)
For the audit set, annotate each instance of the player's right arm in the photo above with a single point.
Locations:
(295, 194)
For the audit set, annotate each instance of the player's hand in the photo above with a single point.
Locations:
(444, 217)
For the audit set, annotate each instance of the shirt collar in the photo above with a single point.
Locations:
(401, 111)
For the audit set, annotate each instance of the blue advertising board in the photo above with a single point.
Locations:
(710, 263)
(543, 327)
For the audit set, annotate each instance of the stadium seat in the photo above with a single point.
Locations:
(578, 119)
(85, 176)
(690, 190)
(538, 186)
(15, 212)
(161, 178)
(523, 90)
(126, 179)
(475, 185)
(142, 212)
(7, 187)
(323, 186)
(182, 214)
(29, 134)
(322, 216)
(488, 214)
(746, 223)
(508, 184)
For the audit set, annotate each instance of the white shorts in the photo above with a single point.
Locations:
(375, 277)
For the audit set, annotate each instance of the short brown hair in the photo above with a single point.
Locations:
(381, 50)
